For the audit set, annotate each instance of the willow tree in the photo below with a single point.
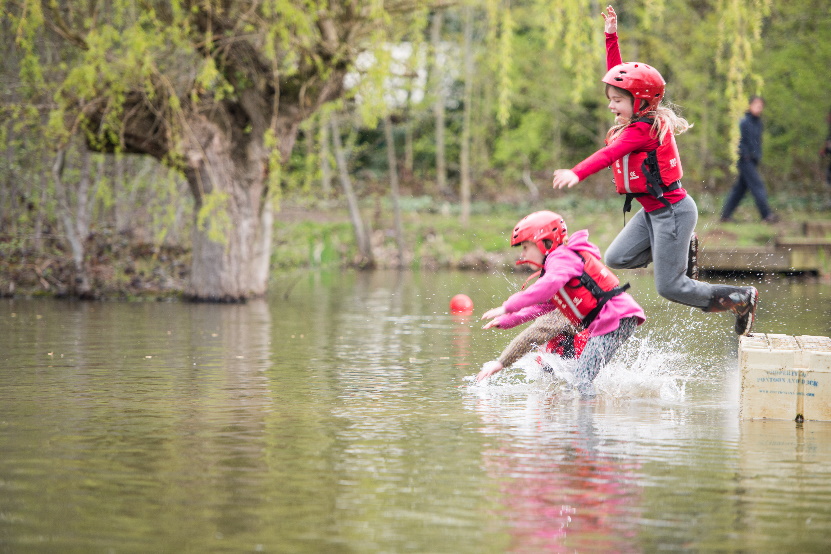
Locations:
(214, 88)
(543, 60)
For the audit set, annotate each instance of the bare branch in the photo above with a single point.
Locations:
(58, 24)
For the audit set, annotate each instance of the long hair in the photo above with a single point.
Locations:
(665, 116)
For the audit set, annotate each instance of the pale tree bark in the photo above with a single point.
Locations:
(529, 182)
(75, 217)
(121, 213)
(235, 266)
(8, 192)
(365, 256)
(438, 104)
(37, 235)
(394, 192)
(325, 158)
(409, 147)
(464, 162)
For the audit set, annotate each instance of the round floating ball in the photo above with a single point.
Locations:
(461, 304)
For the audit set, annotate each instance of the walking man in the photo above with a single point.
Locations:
(750, 153)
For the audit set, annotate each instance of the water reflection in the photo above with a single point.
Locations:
(338, 416)
(560, 491)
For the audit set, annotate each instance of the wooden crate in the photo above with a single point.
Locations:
(785, 377)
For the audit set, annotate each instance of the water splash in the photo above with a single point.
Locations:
(644, 367)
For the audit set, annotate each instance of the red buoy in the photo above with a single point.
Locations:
(461, 304)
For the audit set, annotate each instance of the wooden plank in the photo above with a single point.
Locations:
(763, 259)
(806, 253)
(816, 228)
(788, 242)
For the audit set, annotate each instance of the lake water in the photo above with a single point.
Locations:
(339, 415)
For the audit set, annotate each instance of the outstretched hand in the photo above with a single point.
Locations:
(565, 178)
(610, 20)
(492, 314)
(489, 369)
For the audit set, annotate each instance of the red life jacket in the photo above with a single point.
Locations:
(567, 345)
(582, 298)
(652, 173)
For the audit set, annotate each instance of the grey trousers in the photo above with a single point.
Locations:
(599, 350)
(662, 237)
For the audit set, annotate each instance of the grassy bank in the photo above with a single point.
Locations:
(313, 236)
(318, 234)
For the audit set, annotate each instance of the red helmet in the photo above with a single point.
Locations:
(641, 80)
(540, 226)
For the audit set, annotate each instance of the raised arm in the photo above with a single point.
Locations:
(609, 20)
(613, 57)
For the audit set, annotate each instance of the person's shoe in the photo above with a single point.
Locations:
(723, 219)
(746, 314)
(771, 218)
(692, 258)
(742, 301)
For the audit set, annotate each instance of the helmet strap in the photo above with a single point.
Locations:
(533, 275)
(520, 262)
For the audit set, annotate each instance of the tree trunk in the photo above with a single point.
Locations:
(325, 161)
(464, 162)
(7, 192)
(232, 231)
(365, 256)
(438, 104)
(394, 193)
(121, 209)
(75, 219)
(37, 234)
(409, 149)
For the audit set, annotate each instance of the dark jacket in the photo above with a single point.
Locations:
(750, 145)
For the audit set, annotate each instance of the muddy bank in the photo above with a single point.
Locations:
(116, 267)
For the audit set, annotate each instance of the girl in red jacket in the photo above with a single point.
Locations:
(641, 149)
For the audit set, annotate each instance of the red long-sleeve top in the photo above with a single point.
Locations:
(634, 138)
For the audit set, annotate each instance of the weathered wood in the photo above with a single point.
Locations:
(816, 228)
(810, 253)
(764, 259)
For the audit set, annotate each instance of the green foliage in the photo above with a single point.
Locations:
(739, 33)
(795, 91)
(213, 217)
(537, 103)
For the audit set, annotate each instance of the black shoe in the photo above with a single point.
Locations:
(692, 258)
(742, 301)
(746, 312)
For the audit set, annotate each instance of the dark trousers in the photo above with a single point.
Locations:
(749, 179)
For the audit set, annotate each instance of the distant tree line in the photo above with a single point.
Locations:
(189, 120)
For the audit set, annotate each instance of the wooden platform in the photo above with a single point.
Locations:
(810, 253)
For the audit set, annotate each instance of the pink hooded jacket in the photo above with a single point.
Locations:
(562, 265)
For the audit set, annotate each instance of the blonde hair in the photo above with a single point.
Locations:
(665, 116)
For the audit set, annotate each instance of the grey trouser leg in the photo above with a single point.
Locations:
(663, 237)
(600, 349)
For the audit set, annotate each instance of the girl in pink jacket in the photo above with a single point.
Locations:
(573, 280)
